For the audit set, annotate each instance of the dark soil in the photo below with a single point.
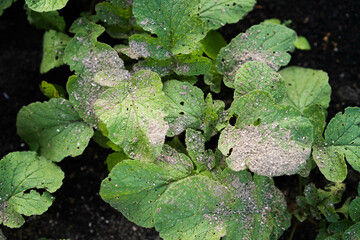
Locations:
(331, 26)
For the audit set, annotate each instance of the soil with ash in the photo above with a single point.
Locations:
(331, 26)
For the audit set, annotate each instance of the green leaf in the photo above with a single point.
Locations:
(185, 65)
(53, 50)
(353, 232)
(115, 158)
(46, 20)
(272, 20)
(212, 43)
(185, 106)
(354, 210)
(22, 175)
(340, 226)
(268, 43)
(46, 5)
(317, 116)
(238, 207)
(254, 75)
(342, 139)
(175, 23)
(302, 43)
(214, 111)
(52, 90)
(112, 14)
(53, 129)
(133, 114)
(134, 186)
(5, 4)
(87, 57)
(269, 139)
(213, 79)
(216, 14)
(306, 86)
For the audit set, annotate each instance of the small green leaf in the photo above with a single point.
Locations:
(212, 43)
(354, 210)
(214, 110)
(46, 5)
(302, 43)
(133, 187)
(306, 86)
(133, 114)
(216, 14)
(254, 75)
(46, 20)
(5, 4)
(279, 137)
(268, 43)
(185, 106)
(177, 31)
(52, 90)
(53, 129)
(353, 232)
(115, 158)
(342, 139)
(53, 50)
(273, 21)
(213, 79)
(317, 116)
(87, 57)
(238, 207)
(19, 173)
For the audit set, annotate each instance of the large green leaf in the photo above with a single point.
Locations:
(238, 207)
(46, 5)
(133, 187)
(353, 232)
(254, 75)
(175, 23)
(87, 57)
(53, 129)
(53, 50)
(218, 13)
(22, 176)
(306, 87)
(185, 106)
(269, 139)
(133, 114)
(342, 139)
(268, 43)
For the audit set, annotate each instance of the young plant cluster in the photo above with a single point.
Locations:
(151, 99)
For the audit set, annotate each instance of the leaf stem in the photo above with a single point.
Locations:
(293, 230)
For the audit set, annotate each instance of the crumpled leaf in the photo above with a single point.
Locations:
(46, 20)
(254, 75)
(133, 115)
(342, 139)
(185, 106)
(46, 5)
(306, 86)
(87, 57)
(53, 50)
(175, 23)
(269, 139)
(268, 43)
(238, 206)
(216, 14)
(22, 175)
(53, 129)
(134, 186)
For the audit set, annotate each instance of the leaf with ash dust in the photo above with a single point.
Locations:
(87, 57)
(254, 75)
(26, 182)
(268, 43)
(133, 187)
(53, 129)
(177, 32)
(217, 13)
(46, 5)
(238, 206)
(134, 116)
(342, 140)
(269, 139)
(185, 106)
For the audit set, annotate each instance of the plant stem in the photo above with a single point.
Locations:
(293, 230)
